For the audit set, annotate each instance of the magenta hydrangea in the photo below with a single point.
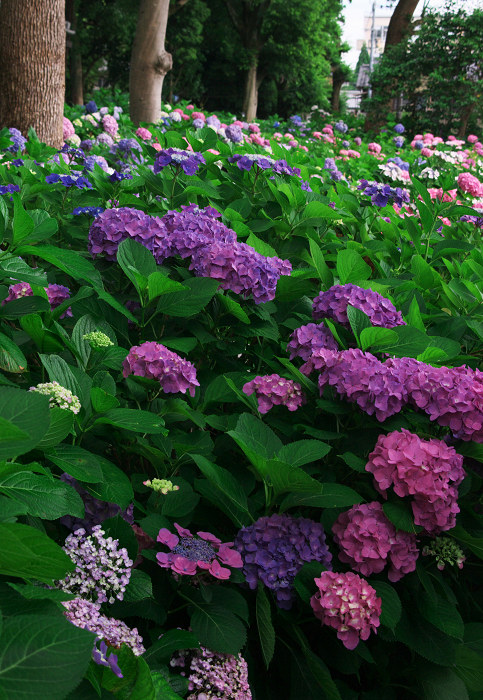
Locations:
(190, 555)
(333, 304)
(272, 390)
(155, 361)
(305, 340)
(56, 295)
(347, 603)
(428, 470)
(274, 549)
(113, 226)
(368, 542)
(470, 184)
(213, 675)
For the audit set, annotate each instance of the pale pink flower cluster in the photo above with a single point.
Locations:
(144, 134)
(67, 129)
(347, 603)
(110, 125)
(272, 390)
(470, 184)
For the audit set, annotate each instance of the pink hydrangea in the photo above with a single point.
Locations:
(110, 125)
(470, 184)
(347, 603)
(374, 148)
(472, 138)
(67, 129)
(197, 115)
(254, 128)
(155, 361)
(190, 555)
(369, 541)
(213, 675)
(428, 470)
(272, 390)
(143, 133)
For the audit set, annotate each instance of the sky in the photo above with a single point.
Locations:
(356, 10)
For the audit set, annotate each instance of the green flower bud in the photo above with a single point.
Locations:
(97, 340)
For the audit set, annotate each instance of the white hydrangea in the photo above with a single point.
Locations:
(59, 396)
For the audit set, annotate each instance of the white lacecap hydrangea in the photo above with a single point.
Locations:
(58, 396)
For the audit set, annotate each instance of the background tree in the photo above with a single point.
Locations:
(32, 57)
(364, 59)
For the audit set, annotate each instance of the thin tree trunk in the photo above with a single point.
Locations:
(400, 22)
(250, 100)
(32, 56)
(465, 117)
(149, 61)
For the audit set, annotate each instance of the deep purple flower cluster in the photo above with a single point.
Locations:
(56, 294)
(213, 675)
(96, 511)
(382, 194)
(126, 148)
(102, 568)
(91, 107)
(18, 141)
(72, 180)
(305, 340)
(475, 220)
(117, 176)
(275, 548)
(273, 390)
(155, 361)
(111, 227)
(245, 161)
(8, 189)
(91, 211)
(87, 615)
(91, 161)
(188, 161)
(334, 302)
(428, 470)
(234, 133)
(86, 145)
(369, 541)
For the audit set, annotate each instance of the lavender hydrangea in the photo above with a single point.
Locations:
(263, 162)
(341, 127)
(95, 511)
(306, 339)
(274, 550)
(398, 141)
(332, 169)
(87, 615)
(382, 194)
(234, 133)
(213, 675)
(102, 568)
(188, 161)
(111, 227)
(273, 390)
(104, 139)
(399, 129)
(155, 361)
(18, 140)
(333, 304)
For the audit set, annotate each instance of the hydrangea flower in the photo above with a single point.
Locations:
(369, 541)
(382, 194)
(104, 139)
(91, 161)
(428, 470)
(213, 675)
(272, 390)
(163, 486)
(110, 125)
(112, 226)
(101, 657)
(87, 615)
(144, 134)
(399, 129)
(56, 294)
(86, 145)
(188, 161)
(190, 555)
(334, 302)
(341, 127)
(91, 107)
(8, 189)
(234, 133)
(72, 180)
(398, 141)
(68, 129)
(59, 396)
(445, 551)
(306, 339)
(90, 211)
(155, 361)
(18, 141)
(95, 511)
(103, 569)
(275, 548)
(347, 603)
(98, 340)
(246, 160)
(470, 184)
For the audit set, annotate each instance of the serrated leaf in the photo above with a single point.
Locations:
(266, 631)
(12, 358)
(442, 684)
(132, 419)
(358, 320)
(401, 516)
(61, 422)
(224, 481)
(303, 452)
(171, 641)
(77, 462)
(23, 224)
(139, 587)
(114, 487)
(45, 497)
(351, 267)
(328, 496)
(27, 411)
(199, 292)
(442, 614)
(28, 553)
(426, 640)
(218, 629)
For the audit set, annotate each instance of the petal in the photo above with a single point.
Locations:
(168, 538)
(208, 537)
(182, 532)
(203, 564)
(218, 571)
(184, 566)
(230, 557)
(164, 559)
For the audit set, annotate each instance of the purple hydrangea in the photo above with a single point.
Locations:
(91, 161)
(334, 302)
(272, 390)
(95, 511)
(214, 122)
(341, 127)
(234, 133)
(18, 141)
(110, 125)
(398, 141)
(56, 294)
(87, 615)
(467, 218)
(102, 568)
(281, 167)
(275, 548)
(86, 145)
(72, 180)
(309, 338)
(91, 107)
(382, 194)
(8, 189)
(245, 161)
(91, 211)
(331, 167)
(111, 227)
(213, 675)
(155, 361)
(198, 123)
(104, 139)
(188, 161)
(399, 129)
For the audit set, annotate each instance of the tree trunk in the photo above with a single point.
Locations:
(149, 61)
(32, 56)
(250, 100)
(400, 22)
(465, 117)
(76, 77)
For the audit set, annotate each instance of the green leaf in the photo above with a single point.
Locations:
(115, 486)
(323, 271)
(45, 497)
(23, 224)
(77, 462)
(354, 462)
(261, 247)
(426, 640)
(69, 261)
(410, 343)
(391, 608)
(31, 592)
(59, 371)
(133, 419)
(27, 411)
(469, 667)
(266, 631)
(159, 284)
(424, 275)
(28, 553)
(136, 261)
(136, 683)
(42, 657)
(233, 307)
(441, 684)
(61, 422)
(218, 629)
(358, 320)
(102, 401)
(304, 582)
(351, 267)
(442, 614)
(139, 586)
(329, 496)
(303, 452)
(473, 543)
(401, 516)
(12, 358)
(414, 316)
(377, 338)
(224, 481)
(18, 270)
(199, 292)
(24, 306)
(255, 437)
(171, 641)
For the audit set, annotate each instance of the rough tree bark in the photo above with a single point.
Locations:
(32, 57)
(338, 79)
(149, 61)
